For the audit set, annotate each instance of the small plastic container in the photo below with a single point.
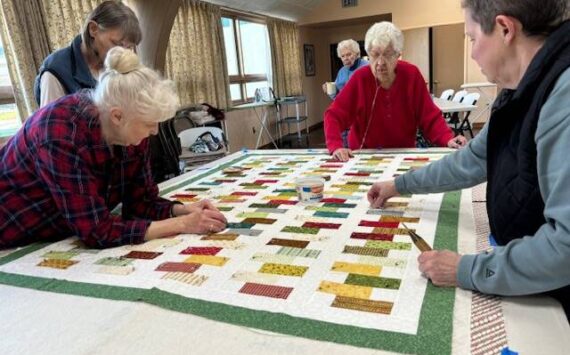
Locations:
(310, 189)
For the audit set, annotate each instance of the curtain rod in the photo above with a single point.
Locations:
(243, 12)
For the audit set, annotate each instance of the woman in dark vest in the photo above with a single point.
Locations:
(77, 67)
(522, 153)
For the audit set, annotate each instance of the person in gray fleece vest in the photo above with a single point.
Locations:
(523, 47)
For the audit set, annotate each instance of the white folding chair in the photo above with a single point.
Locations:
(458, 97)
(447, 94)
(465, 125)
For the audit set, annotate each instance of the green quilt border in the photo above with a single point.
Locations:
(435, 325)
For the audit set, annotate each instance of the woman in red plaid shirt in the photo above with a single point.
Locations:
(66, 169)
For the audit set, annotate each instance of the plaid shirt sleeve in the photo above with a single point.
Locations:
(64, 171)
(141, 198)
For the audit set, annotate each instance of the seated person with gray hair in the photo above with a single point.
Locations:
(77, 158)
(385, 103)
(349, 52)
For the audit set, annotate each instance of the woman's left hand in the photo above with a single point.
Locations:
(440, 267)
(457, 142)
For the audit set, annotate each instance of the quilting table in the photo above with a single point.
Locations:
(337, 272)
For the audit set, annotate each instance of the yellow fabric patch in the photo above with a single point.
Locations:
(363, 305)
(207, 260)
(353, 268)
(57, 263)
(399, 219)
(283, 269)
(338, 289)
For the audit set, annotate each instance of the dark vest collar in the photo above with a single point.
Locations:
(81, 74)
(69, 67)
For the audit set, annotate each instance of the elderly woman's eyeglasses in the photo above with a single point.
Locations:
(387, 56)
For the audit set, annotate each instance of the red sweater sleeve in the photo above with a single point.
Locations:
(431, 121)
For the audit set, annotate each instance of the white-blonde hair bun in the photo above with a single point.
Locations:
(122, 60)
(140, 91)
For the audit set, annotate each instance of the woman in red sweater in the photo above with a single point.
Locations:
(384, 104)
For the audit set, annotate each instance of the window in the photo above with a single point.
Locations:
(248, 54)
(9, 118)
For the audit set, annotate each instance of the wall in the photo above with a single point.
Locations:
(321, 37)
(416, 49)
(406, 14)
(244, 125)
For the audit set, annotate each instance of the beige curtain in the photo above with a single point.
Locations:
(30, 30)
(25, 46)
(195, 57)
(285, 57)
(64, 19)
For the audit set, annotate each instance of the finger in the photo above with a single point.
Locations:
(372, 194)
(215, 215)
(378, 202)
(207, 204)
(350, 154)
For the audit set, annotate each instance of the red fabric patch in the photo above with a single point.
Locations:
(379, 224)
(243, 193)
(331, 166)
(321, 225)
(184, 195)
(142, 255)
(178, 267)
(357, 174)
(201, 251)
(256, 289)
(417, 159)
(372, 236)
(265, 181)
(333, 200)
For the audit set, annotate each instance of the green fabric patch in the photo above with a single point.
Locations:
(240, 225)
(331, 214)
(373, 281)
(110, 261)
(303, 230)
(340, 205)
(60, 255)
(380, 244)
(302, 252)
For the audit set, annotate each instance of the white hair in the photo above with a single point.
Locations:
(382, 34)
(349, 44)
(131, 86)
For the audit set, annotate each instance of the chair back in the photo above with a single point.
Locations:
(447, 94)
(471, 99)
(458, 97)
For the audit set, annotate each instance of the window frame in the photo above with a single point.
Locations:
(7, 97)
(242, 79)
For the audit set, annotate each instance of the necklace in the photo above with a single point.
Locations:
(369, 117)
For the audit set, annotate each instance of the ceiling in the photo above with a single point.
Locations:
(292, 10)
